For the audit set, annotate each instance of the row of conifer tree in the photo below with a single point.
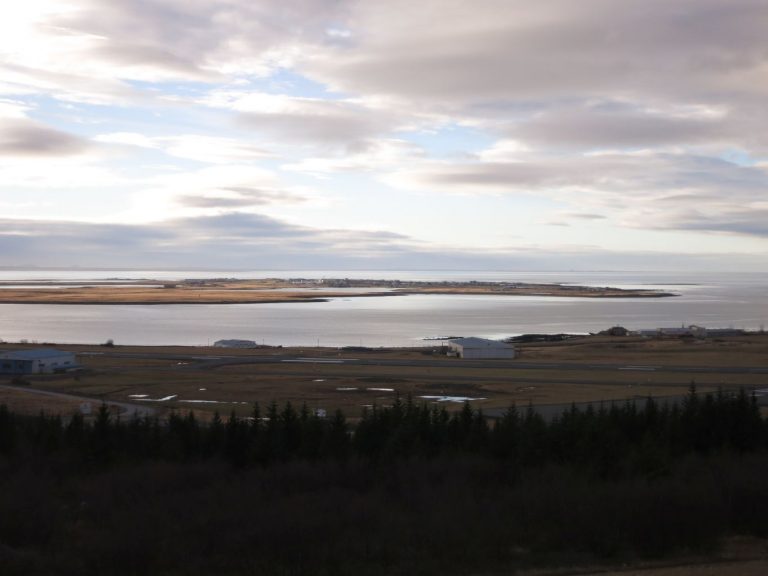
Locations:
(611, 439)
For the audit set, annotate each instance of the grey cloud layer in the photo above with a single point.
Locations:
(502, 49)
(22, 137)
(658, 191)
(233, 239)
(239, 197)
(597, 127)
(251, 242)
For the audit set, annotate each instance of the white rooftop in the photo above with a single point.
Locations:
(473, 342)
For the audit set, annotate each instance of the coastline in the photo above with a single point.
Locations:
(279, 291)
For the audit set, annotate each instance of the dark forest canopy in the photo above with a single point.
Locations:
(616, 438)
(410, 489)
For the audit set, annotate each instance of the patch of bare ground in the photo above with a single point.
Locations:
(741, 556)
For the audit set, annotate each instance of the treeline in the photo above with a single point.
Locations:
(407, 489)
(611, 440)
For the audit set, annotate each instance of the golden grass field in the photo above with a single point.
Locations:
(351, 387)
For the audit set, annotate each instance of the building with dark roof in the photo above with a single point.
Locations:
(234, 343)
(38, 361)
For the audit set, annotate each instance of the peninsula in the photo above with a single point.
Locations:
(274, 290)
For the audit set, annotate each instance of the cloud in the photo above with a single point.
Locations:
(598, 76)
(505, 49)
(689, 51)
(233, 239)
(643, 173)
(210, 191)
(564, 218)
(584, 216)
(240, 197)
(23, 137)
(201, 148)
(735, 221)
(323, 122)
(304, 120)
(88, 50)
(622, 126)
(639, 190)
(369, 155)
(255, 242)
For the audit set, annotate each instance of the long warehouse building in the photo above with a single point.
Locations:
(39, 361)
(481, 348)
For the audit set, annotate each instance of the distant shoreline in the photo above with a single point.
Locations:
(281, 291)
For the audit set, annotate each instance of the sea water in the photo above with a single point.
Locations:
(737, 300)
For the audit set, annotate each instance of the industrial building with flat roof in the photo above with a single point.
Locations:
(480, 348)
(235, 344)
(39, 361)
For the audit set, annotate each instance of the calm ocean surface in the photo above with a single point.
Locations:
(710, 299)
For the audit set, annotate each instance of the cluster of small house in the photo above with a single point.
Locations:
(691, 331)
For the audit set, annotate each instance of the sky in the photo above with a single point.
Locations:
(360, 134)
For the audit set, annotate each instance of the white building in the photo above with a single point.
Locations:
(40, 361)
(481, 348)
(692, 330)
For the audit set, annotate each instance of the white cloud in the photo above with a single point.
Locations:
(305, 121)
(205, 149)
(209, 191)
(368, 156)
(84, 50)
(128, 139)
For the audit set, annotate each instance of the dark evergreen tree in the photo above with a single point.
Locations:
(7, 431)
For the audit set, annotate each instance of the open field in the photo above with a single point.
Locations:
(231, 291)
(23, 401)
(588, 369)
(746, 350)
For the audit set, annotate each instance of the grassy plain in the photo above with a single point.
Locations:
(197, 381)
(22, 401)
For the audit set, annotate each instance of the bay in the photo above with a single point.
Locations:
(714, 300)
